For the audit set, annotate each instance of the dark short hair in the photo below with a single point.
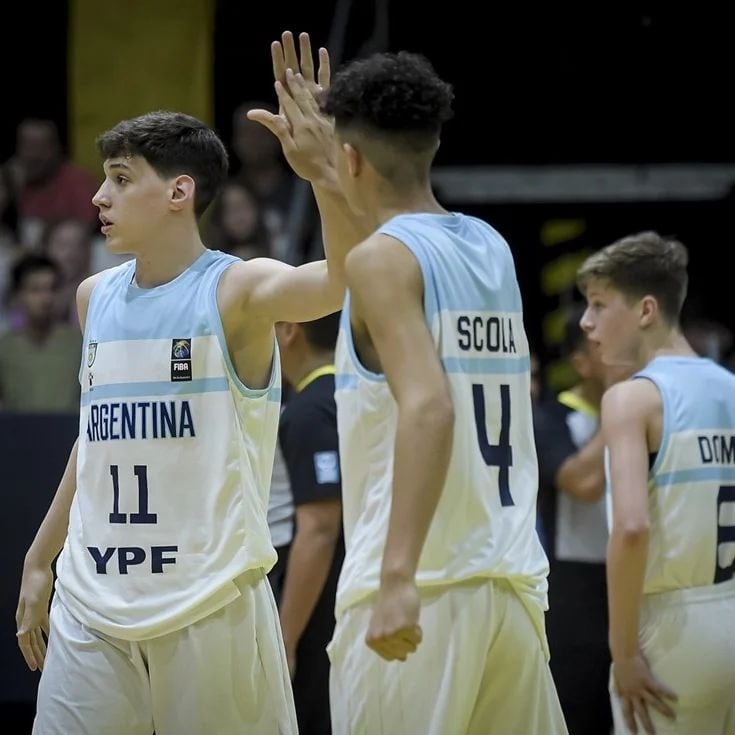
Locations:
(392, 95)
(27, 265)
(322, 333)
(172, 143)
(639, 265)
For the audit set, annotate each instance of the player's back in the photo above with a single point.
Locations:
(692, 479)
(484, 525)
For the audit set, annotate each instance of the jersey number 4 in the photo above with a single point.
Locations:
(498, 455)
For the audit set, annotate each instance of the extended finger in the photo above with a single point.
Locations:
(277, 124)
(39, 647)
(279, 63)
(24, 643)
(626, 705)
(324, 74)
(301, 93)
(288, 104)
(659, 703)
(307, 61)
(641, 711)
(289, 50)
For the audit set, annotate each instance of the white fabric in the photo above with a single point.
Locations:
(688, 638)
(225, 674)
(480, 670)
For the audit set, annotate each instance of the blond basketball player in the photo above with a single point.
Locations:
(670, 433)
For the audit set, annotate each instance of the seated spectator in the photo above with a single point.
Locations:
(236, 224)
(48, 187)
(39, 363)
(68, 243)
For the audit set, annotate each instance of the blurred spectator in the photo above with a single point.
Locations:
(258, 163)
(571, 485)
(8, 240)
(237, 225)
(68, 243)
(308, 438)
(48, 187)
(39, 363)
(709, 338)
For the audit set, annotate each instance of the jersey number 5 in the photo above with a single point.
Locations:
(725, 535)
(498, 455)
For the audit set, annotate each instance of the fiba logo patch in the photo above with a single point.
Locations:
(180, 359)
(91, 353)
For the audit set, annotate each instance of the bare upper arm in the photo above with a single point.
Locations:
(84, 294)
(322, 516)
(272, 291)
(386, 287)
(629, 409)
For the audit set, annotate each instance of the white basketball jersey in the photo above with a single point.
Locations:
(484, 525)
(175, 459)
(691, 492)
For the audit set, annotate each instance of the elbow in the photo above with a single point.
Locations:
(436, 411)
(632, 531)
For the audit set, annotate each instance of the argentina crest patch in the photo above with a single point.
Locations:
(91, 353)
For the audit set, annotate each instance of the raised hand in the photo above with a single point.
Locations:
(305, 134)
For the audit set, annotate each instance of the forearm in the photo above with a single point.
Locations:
(341, 230)
(310, 559)
(51, 534)
(422, 452)
(582, 475)
(626, 567)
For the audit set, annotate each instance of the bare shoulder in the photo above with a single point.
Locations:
(240, 280)
(630, 401)
(84, 293)
(382, 259)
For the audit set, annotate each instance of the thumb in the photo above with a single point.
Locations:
(19, 614)
(275, 123)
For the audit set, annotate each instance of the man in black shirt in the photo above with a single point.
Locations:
(308, 438)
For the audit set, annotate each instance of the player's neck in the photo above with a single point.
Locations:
(667, 342)
(170, 257)
(390, 202)
(309, 364)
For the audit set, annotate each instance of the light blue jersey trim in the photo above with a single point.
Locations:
(346, 326)
(486, 365)
(699, 474)
(413, 230)
(155, 388)
(345, 381)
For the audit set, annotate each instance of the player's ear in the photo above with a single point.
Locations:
(648, 310)
(183, 190)
(286, 333)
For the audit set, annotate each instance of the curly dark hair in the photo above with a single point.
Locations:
(390, 93)
(172, 143)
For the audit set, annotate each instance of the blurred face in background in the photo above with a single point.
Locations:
(38, 150)
(68, 245)
(253, 145)
(37, 294)
(239, 213)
